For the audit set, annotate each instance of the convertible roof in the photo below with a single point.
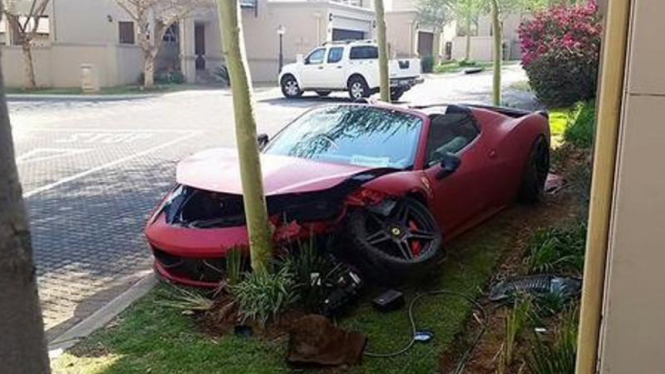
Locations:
(443, 109)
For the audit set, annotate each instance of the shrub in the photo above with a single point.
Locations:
(558, 250)
(556, 356)
(560, 53)
(581, 128)
(263, 296)
(427, 64)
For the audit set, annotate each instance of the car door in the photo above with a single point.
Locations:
(364, 59)
(461, 197)
(333, 69)
(311, 75)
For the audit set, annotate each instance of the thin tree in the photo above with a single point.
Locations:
(233, 48)
(384, 82)
(435, 13)
(467, 11)
(22, 345)
(153, 18)
(497, 52)
(24, 27)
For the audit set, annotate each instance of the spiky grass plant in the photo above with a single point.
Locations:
(188, 301)
(517, 320)
(558, 355)
(558, 250)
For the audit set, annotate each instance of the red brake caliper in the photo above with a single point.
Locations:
(416, 245)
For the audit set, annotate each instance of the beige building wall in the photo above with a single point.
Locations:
(633, 327)
(401, 34)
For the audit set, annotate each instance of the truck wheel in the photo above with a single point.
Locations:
(290, 88)
(358, 88)
(396, 93)
(323, 93)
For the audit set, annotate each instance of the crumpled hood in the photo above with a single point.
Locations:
(218, 170)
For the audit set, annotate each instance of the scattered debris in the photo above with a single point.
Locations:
(313, 339)
(536, 285)
(554, 184)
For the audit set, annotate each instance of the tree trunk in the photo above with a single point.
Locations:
(233, 48)
(148, 70)
(384, 82)
(22, 344)
(28, 66)
(467, 50)
(498, 50)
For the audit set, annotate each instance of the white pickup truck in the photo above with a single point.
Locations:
(351, 66)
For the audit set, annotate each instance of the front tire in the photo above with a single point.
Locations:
(358, 88)
(290, 87)
(535, 172)
(391, 249)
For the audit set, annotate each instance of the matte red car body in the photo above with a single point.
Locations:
(487, 181)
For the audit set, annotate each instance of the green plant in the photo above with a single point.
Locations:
(263, 295)
(186, 300)
(221, 75)
(558, 250)
(467, 63)
(516, 321)
(558, 355)
(311, 269)
(549, 304)
(234, 265)
(427, 64)
(581, 127)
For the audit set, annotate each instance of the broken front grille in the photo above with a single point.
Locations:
(211, 270)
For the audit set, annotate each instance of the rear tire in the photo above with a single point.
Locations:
(396, 94)
(358, 88)
(290, 87)
(535, 173)
(323, 93)
(375, 251)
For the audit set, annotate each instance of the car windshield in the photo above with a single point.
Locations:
(351, 134)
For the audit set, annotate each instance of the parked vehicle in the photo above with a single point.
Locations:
(351, 66)
(395, 183)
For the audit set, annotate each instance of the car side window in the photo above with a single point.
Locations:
(335, 55)
(364, 53)
(449, 133)
(316, 57)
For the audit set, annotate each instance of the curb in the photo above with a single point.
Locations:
(101, 317)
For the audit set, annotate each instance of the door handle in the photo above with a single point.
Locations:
(492, 153)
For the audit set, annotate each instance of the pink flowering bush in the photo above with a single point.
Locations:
(560, 53)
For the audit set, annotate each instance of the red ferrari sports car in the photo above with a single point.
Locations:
(395, 182)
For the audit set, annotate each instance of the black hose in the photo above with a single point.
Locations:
(465, 357)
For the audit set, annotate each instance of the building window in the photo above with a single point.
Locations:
(126, 30)
(171, 34)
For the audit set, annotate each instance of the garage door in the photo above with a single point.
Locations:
(425, 43)
(344, 34)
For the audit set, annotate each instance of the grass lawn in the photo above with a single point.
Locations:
(153, 338)
(119, 90)
(458, 66)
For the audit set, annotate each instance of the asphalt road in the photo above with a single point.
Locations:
(92, 172)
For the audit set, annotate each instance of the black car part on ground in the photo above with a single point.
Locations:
(380, 241)
(536, 285)
(197, 208)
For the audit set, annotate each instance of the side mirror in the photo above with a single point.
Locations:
(449, 164)
(299, 58)
(263, 140)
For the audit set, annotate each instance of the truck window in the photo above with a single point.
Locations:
(316, 57)
(335, 55)
(364, 53)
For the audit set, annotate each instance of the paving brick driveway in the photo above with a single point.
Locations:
(92, 172)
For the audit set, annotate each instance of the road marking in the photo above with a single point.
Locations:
(105, 137)
(108, 165)
(85, 129)
(43, 154)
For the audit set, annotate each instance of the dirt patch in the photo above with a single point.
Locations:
(224, 316)
(523, 223)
